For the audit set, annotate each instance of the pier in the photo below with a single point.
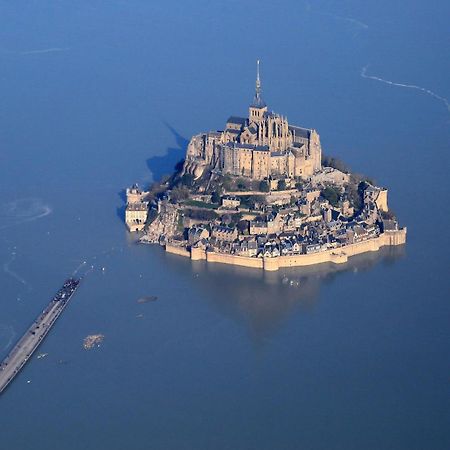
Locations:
(35, 334)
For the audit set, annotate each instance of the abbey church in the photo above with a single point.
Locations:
(261, 146)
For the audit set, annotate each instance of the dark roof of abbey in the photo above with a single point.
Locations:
(236, 120)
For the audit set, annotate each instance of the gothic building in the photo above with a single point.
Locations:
(260, 146)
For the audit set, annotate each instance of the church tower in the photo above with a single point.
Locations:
(258, 107)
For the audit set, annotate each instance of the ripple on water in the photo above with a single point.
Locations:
(23, 210)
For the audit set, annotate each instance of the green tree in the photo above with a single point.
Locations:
(281, 185)
(354, 197)
(299, 183)
(179, 194)
(215, 197)
(187, 180)
(264, 186)
(201, 214)
(332, 194)
(243, 226)
(242, 185)
(227, 219)
(336, 163)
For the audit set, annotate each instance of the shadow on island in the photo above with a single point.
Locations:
(162, 165)
(263, 301)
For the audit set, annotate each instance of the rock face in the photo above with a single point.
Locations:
(202, 152)
(164, 225)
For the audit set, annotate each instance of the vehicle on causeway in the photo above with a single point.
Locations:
(30, 341)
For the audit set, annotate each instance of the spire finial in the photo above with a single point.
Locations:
(258, 81)
(258, 101)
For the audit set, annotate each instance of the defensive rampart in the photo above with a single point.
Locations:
(337, 256)
(177, 250)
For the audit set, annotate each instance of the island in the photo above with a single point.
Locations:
(261, 194)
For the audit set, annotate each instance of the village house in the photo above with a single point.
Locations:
(230, 202)
(224, 233)
(258, 227)
(196, 233)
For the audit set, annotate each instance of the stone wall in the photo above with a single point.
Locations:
(336, 256)
(225, 258)
(177, 250)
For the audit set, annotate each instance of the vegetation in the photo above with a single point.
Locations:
(353, 195)
(336, 163)
(180, 223)
(354, 190)
(243, 185)
(264, 186)
(299, 185)
(243, 226)
(215, 197)
(200, 214)
(226, 219)
(282, 185)
(200, 204)
(227, 182)
(178, 194)
(187, 180)
(231, 219)
(388, 215)
(332, 194)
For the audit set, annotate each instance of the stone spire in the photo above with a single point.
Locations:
(258, 102)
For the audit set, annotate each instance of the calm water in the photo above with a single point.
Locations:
(97, 95)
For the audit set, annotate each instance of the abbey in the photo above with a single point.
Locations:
(260, 146)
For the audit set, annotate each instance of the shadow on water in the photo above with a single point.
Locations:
(262, 301)
(120, 210)
(162, 165)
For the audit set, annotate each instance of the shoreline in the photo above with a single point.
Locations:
(337, 256)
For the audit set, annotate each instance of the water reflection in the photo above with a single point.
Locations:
(262, 301)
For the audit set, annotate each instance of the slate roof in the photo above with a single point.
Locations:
(237, 120)
(302, 132)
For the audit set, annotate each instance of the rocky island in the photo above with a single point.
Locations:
(261, 194)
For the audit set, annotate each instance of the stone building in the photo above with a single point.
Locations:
(223, 233)
(377, 195)
(135, 194)
(136, 215)
(196, 234)
(263, 144)
(229, 201)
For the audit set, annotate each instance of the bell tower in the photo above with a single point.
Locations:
(258, 107)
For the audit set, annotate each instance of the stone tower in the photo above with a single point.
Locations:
(258, 107)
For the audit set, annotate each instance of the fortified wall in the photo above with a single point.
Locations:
(337, 256)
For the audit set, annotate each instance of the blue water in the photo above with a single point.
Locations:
(97, 95)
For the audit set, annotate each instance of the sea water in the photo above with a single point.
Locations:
(99, 95)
